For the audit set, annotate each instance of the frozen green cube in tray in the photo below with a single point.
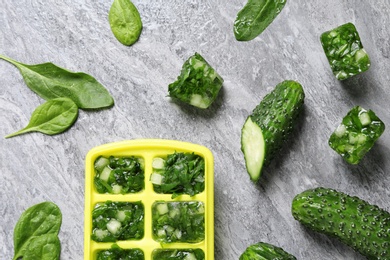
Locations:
(119, 174)
(356, 135)
(345, 51)
(112, 221)
(178, 254)
(178, 173)
(116, 252)
(178, 221)
(198, 84)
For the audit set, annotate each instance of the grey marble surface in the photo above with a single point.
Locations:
(76, 35)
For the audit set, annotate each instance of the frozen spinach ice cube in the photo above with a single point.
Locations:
(198, 84)
(356, 135)
(345, 51)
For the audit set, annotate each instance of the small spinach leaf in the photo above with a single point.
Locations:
(255, 17)
(39, 220)
(52, 117)
(125, 21)
(50, 81)
(45, 247)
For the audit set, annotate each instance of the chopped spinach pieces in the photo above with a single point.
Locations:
(344, 51)
(178, 254)
(119, 175)
(178, 221)
(198, 84)
(180, 173)
(116, 253)
(112, 221)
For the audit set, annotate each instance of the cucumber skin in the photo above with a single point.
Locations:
(265, 251)
(276, 115)
(360, 225)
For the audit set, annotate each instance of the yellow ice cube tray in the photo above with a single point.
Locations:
(148, 149)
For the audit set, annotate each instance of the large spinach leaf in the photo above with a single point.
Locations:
(50, 81)
(39, 220)
(254, 18)
(52, 117)
(45, 247)
(125, 21)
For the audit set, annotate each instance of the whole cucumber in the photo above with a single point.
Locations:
(265, 251)
(362, 226)
(269, 125)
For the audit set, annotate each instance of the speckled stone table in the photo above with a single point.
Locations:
(76, 35)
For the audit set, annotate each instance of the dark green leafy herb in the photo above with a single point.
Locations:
(53, 117)
(198, 84)
(178, 221)
(345, 51)
(255, 17)
(182, 173)
(117, 253)
(356, 135)
(50, 81)
(36, 231)
(119, 175)
(112, 221)
(45, 247)
(125, 21)
(265, 251)
(178, 254)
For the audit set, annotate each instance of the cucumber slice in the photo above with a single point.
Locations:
(253, 147)
(101, 162)
(113, 226)
(156, 178)
(269, 125)
(105, 174)
(162, 208)
(158, 163)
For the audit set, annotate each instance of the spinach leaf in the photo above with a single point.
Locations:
(50, 81)
(52, 117)
(255, 17)
(45, 247)
(39, 220)
(125, 21)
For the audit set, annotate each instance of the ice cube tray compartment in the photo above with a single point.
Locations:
(148, 149)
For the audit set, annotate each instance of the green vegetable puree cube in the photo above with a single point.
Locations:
(178, 254)
(113, 221)
(181, 222)
(198, 84)
(356, 135)
(345, 51)
(119, 175)
(179, 173)
(116, 252)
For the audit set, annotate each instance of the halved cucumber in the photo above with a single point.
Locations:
(253, 147)
(269, 125)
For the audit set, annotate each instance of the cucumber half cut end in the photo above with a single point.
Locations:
(253, 147)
